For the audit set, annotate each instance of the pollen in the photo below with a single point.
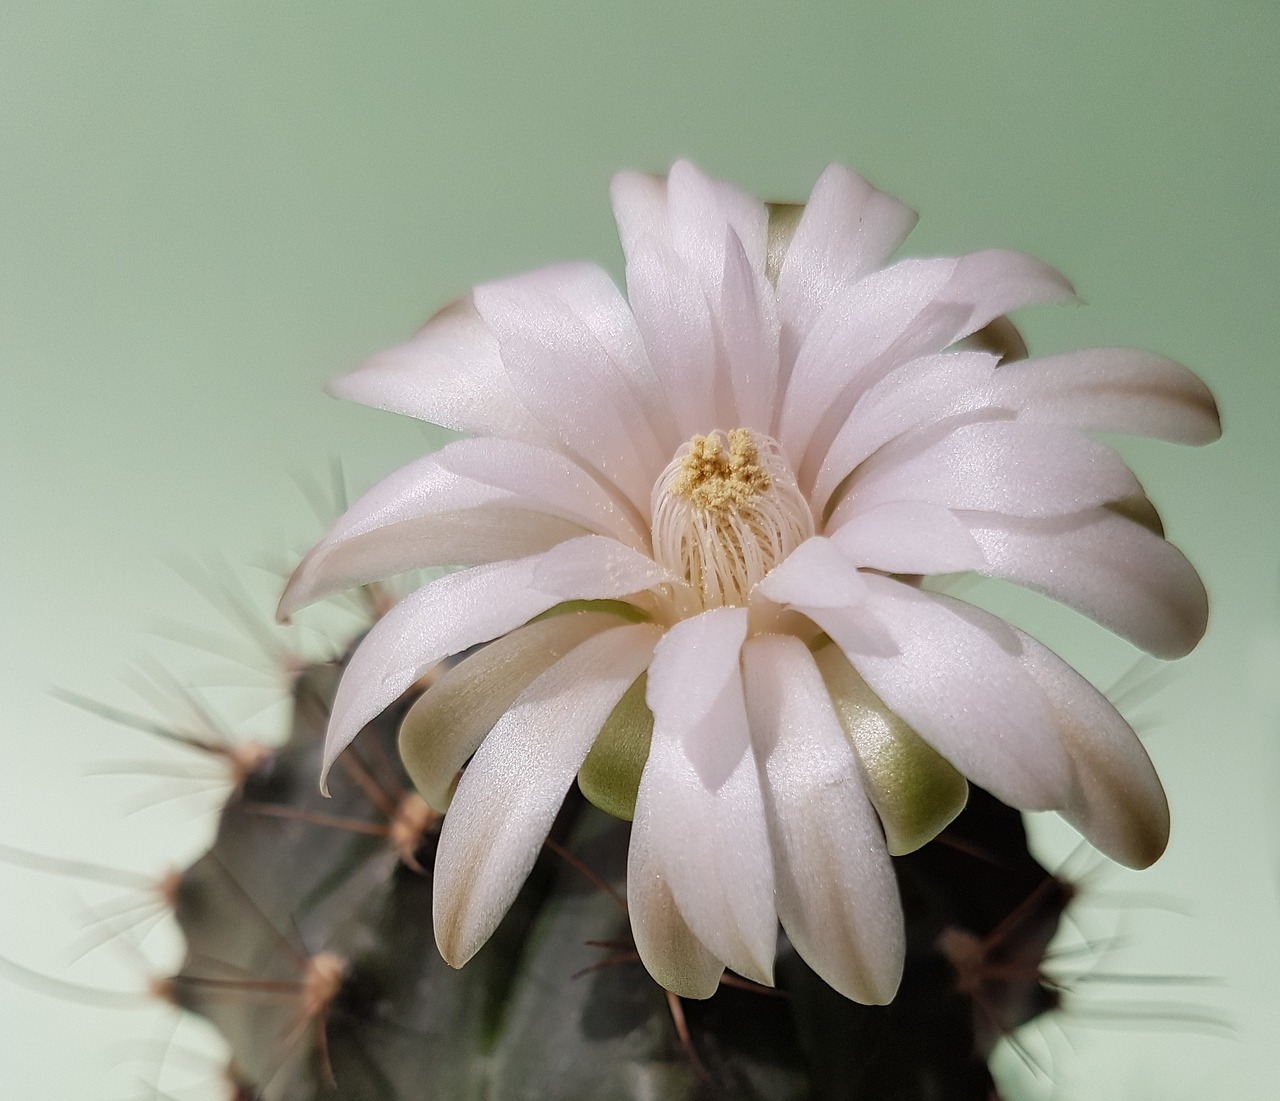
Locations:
(726, 510)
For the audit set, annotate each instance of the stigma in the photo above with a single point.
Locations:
(726, 510)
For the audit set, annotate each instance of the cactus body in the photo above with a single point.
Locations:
(310, 947)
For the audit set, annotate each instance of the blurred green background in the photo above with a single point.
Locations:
(208, 207)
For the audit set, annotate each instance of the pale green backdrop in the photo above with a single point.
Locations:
(207, 207)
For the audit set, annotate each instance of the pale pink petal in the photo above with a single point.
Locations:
(848, 229)
(459, 610)
(1119, 804)
(912, 308)
(703, 211)
(679, 334)
(909, 537)
(640, 208)
(670, 952)
(547, 481)
(450, 374)
(701, 792)
(1104, 565)
(998, 281)
(815, 574)
(922, 391)
(473, 501)
(951, 672)
(450, 720)
(1112, 389)
(469, 538)
(991, 466)
(575, 359)
(858, 337)
(510, 792)
(836, 890)
(748, 319)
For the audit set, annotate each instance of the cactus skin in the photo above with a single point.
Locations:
(310, 948)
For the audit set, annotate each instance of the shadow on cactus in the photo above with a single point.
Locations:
(310, 948)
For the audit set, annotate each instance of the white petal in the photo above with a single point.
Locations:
(992, 466)
(749, 334)
(546, 481)
(640, 208)
(1113, 389)
(450, 374)
(836, 890)
(450, 720)
(817, 575)
(952, 673)
(510, 793)
(469, 538)
(473, 501)
(1104, 565)
(574, 357)
(848, 229)
(887, 319)
(998, 281)
(913, 308)
(459, 610)
(920, 392)
(676, 959)
(701, 792)
(679, 333)
(909, 537)
(1120, 806)
(702, 212)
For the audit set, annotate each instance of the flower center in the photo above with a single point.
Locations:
(726, 511)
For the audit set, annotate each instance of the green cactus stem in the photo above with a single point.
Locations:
(308, 925)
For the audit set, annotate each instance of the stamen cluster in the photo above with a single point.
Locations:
(726, 510)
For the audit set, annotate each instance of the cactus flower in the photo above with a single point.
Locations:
(693, 524)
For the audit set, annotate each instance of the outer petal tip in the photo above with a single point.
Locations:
(294, 595)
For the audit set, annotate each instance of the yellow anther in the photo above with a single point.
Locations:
(726, 511)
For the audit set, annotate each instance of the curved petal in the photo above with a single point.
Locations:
(910, 309)
(860, 335)
(639, 201)
(545, 480)
(469, 538)
(449, 721)
(991, 466)
(670, 952)
(920, 392)
(817, 575)
(679, 335)
(952, 673)
(450, 374)
(836, 890)
(510, 793)
(473, 501)
(703, 212)
(1119, 805)
(909, 537)
(457, 611)
(748, 318)
(998, 281)
(701, 793)
(848, 229)
(1104, 565)
(1112, 389)
(574, 357)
